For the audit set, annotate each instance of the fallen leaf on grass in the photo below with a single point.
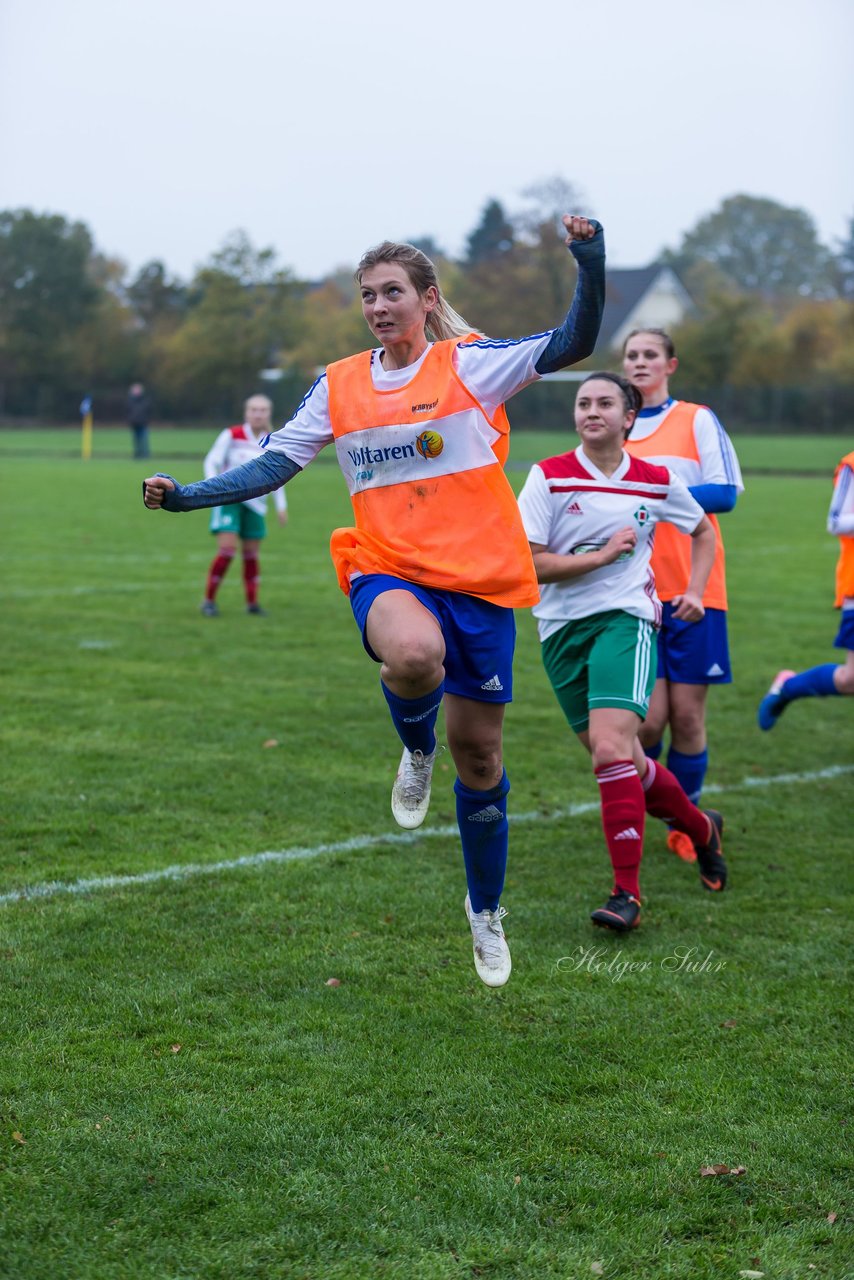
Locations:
(597, 1268)
(19, 1137)
(271, 742)
(333, 982)
(176, 1048)
(831, 1217)
(752, 1275)
(730, 1022)
(716, 1170)
(517, 1180)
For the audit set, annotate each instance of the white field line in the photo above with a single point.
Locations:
(187, 870)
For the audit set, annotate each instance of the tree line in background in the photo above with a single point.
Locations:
(771, 339)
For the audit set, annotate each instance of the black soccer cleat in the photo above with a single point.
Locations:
(713, 872)
(621, 912)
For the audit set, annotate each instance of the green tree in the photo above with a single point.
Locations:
(47, 292)
(154, 297)
(760, 246)
(492, 237)
(843, 264)
(242, 310)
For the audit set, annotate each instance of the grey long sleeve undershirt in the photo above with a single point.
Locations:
(571, 342)
(261, 475)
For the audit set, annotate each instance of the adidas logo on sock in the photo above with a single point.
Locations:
(628, 834)
(715, 670)
(575, 509)
(493, 686)
(489, 814)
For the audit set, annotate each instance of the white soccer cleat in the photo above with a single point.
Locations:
(410, 795)
(491, 953)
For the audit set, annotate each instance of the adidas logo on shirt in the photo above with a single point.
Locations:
(628, 834)
(715, 670)
(575, 509)
(493, 686)
(490, 814)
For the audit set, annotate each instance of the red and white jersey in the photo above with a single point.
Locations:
(569, 506)
(231, 449)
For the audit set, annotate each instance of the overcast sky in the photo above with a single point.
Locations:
(325, 126)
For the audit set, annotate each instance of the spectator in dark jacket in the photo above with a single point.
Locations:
(139, 415)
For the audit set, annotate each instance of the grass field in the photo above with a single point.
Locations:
(183, 1094)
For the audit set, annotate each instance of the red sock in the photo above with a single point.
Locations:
(623, 815)
(217, 572)
(665, 799)
(251, 577)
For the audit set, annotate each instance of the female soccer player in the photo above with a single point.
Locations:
(689, 440)
(830, 678)
(590, 516)
(438, 557)
(243, 522)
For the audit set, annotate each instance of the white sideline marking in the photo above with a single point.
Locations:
(185, 871)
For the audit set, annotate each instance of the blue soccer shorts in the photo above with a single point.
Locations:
(845, 636)
(480, 637)
(694, 652)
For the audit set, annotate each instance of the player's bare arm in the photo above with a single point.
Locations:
(553, 567)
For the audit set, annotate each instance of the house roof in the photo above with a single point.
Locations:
(625, 288)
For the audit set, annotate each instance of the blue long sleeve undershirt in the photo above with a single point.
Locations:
(714, 498)
(576, 337)
(261, 475)
(571, 342)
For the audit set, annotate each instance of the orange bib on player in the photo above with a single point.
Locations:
(424, 466)
(671, 556)
(845, 563)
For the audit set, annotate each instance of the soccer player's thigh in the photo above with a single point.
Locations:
(565, 655)
(253, 527)
(407, 638)
(622, 664)
(225, 524)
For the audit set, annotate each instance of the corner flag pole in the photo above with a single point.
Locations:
(86, 437)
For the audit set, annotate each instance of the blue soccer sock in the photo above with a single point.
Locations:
(415, 718)
(690, 771)
(654, 751)
(482, 818)
(817, 682)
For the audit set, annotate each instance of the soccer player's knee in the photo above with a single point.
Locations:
(844, 678)
(481, 762)
(688, 721)
(608, 748)
(417, 656)
(651, 730)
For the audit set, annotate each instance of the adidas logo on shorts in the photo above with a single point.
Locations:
(493, 686)
(715, 670)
